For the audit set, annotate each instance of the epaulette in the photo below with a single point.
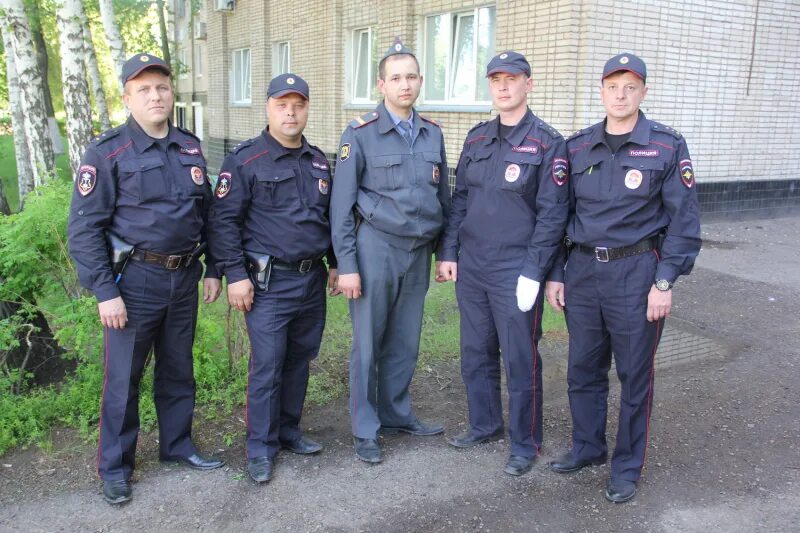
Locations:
(107, 135)
(426, 119)
(578, 133)
(476, 126)
(657, 126)
(189, 133)
(549, 129)
(244, 144)
(363, 120)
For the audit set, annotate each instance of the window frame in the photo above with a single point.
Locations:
(454, 28)
(277, 57)
(354, 62)
(246, 97)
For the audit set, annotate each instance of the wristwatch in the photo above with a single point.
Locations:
(663, 285)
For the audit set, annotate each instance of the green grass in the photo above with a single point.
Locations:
(8, 170)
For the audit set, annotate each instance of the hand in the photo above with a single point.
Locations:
(446, 271)
(240, 295)
(350, 285)
(212, 287)
(554, 291)
(659, 304)
(527, 291)
(333, 282)
(113, 313)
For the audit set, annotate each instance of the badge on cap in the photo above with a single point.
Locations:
(323, 186)
(223, 185)
(633, 179)
(503, 56)
(560, 171)
(87, 178)
(687, 172)
(398, 47)
(436, 174)
(344, 152)
(512, 173)
(290, 81)
(197, 175)
(144, 59)
(624, 60)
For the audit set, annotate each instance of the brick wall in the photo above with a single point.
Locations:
(730, 94)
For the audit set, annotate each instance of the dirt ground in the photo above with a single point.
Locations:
(724, 451)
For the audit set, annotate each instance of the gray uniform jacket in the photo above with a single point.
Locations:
(401, 191)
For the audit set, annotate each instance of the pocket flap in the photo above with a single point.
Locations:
(386, 160)
(276, 176)
(137, 165)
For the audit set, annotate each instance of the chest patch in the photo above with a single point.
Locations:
(320, 164)
(197, 175)
(525, 149)
(512, 173)
(644, 152)
(436, 174)
(633, 179)
(190, 151)
(324, 186)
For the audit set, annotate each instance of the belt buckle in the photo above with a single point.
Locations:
(305, 265)
(173, 262)
(601, 254)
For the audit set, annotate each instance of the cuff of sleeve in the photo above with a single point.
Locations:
(331, 259)
(556, 274)
(236, 274)
(106, 292)
(667, 272)
(211, 270)
(447, 255)
(532, 272)
(347, 265)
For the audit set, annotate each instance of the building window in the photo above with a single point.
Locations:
(199, 52)
(197, 119)
(183, 66)
(281, 53)
(180, 115)
(240, 76)
(363, 65)
(457, 47)
(180, 8)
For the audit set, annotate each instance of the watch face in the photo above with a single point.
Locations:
(662, 285)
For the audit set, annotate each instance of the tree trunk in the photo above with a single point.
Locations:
(162, 26)
(21, 152)
(31, 93)
(94, 73)
(4, 208)
(69, 13)
(112, 34)
(42, 59)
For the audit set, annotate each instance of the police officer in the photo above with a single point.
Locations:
(389, 204)
(271, 202)
(509, 210)
(145, 183)
(633, 229)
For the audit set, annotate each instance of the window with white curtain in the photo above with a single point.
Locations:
(240, 76)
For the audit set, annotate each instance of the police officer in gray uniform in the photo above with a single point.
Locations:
(389, 203)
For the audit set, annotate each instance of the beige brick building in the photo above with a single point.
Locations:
(724, 73)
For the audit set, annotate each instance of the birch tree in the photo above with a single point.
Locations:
(113, 36)
(29, 79)
(69, 14)
(94, 74)
(21, 152)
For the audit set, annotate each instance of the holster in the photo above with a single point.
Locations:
(197, 252)
(259, 268)
(119, 252)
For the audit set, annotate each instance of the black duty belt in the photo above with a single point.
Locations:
(170, 262)
(604, 255)
(306, 265)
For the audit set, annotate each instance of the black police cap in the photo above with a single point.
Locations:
(141, 62)
(509, 62)
(284, 84)
(397, 48)
(625, 61)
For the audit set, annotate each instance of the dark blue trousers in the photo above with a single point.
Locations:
(162, 312)
(607, 313)
(285, 328)
(491, 324)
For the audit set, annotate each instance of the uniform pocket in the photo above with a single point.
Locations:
(278, 188)
(143, 178)
(384, 172)
(320, 188)
(478, 169)
(519, 172)
(639, 176)
(434, 161)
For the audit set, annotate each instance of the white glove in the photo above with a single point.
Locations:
(527, 291)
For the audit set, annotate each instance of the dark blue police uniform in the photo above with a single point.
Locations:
(155, 195)
(634, 219)
(269, 200)
(508, 214)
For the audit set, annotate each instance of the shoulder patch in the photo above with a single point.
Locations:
(239, 147)
(363, 120)
(656, 126)
(107, 135)
(426, 119)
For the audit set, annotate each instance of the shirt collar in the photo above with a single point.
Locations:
(639, 135)
(517, 134)
(142, 141)
(388, 121)
(277, 150)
